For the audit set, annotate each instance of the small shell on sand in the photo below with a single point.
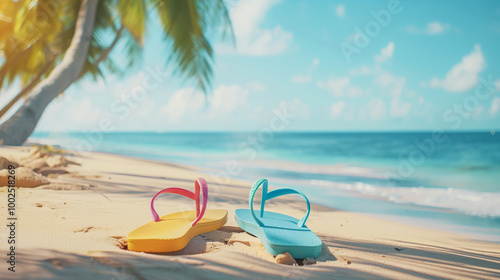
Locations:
(309, 261)
(285, 258)
(25, 177)
(232, 241)
(346, 260)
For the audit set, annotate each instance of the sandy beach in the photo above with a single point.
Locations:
(73, 226)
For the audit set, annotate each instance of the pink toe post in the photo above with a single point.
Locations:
(200, 182)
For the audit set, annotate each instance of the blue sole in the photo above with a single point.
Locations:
(281, 234)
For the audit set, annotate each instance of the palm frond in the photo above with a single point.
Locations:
(220, 17)
(185, 25)
(133, 18)
(132, 48)
(34, 28)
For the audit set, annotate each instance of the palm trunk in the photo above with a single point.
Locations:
(19, 127)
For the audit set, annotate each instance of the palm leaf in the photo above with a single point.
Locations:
(133, 17)
(184, 24)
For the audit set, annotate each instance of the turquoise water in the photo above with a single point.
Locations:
(449, 182)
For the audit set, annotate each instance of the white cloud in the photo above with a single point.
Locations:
(395, 100)
(70, 113)
(376, 110)
(256, 114)
(495, 106)
(497, 85)
(342, 86)
(144, 110)
(304, 111)
(227, 99)
(385, 79)
(398, 87)
(399, 108)
(463, 75)
(301, 79)
(336, 85)
(182, 101)
(354, 91)
(395, 86)
(295, 107)
(436, 28)
(361, 71)
(256, 86)
(98, 86)
(340, 10)
(84, 109)
(338, 109)
(386, 53)
(432, 28)
(123, 89)
(251, 39)
(306, 78)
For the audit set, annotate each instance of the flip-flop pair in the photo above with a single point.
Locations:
(278, 232)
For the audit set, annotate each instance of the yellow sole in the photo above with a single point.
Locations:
(173, 232)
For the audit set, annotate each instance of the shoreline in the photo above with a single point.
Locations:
(449, 203)
(85, 214)
(418, 196)
(468, 231)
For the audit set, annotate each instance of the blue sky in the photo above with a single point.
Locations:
(334, 65)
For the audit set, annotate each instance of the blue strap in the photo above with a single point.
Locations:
(251, 195)
(270, 195)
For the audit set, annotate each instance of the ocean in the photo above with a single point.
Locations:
(445, 181)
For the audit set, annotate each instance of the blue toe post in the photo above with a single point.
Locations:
(270, 195)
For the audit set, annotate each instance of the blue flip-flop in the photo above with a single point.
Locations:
(280, 233)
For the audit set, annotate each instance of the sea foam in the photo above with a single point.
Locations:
(484, 204)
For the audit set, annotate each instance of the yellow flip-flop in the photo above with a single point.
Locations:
(173, 232)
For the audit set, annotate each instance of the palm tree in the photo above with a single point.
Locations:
(49, 44)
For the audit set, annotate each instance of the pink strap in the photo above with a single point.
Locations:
(189, 194)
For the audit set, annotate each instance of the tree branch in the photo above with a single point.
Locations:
(104, 55)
